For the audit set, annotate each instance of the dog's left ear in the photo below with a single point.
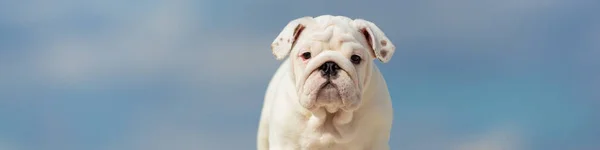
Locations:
(285, 41)
(381, 47)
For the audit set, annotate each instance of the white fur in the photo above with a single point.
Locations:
(294, 119)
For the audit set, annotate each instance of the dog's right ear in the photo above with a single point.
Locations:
(285, 41)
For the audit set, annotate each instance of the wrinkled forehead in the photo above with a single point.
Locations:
(333, 33)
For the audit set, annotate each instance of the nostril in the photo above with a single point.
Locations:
(323, 67)
(329, 68)
(336, 67)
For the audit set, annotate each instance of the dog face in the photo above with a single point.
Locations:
(332, 58)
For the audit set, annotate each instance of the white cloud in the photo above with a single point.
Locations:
(505, 137)
(130, 40)
(73, 60)
(437, 136)
(162, 41)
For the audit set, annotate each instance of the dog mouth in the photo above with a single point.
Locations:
(328, 85)
(329, 90)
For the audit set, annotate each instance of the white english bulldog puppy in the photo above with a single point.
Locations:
(328, 94)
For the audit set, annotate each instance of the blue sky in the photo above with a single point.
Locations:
(155, 75)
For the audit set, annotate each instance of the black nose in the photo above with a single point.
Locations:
(329, 69)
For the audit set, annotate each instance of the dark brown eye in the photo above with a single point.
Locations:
(355, 59)
(306, 55)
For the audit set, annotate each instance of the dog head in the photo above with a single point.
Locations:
(331, 58)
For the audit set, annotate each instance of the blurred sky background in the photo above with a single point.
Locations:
(183, 74)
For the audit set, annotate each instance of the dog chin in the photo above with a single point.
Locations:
(329, 97)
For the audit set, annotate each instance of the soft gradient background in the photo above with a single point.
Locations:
(183, 74)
